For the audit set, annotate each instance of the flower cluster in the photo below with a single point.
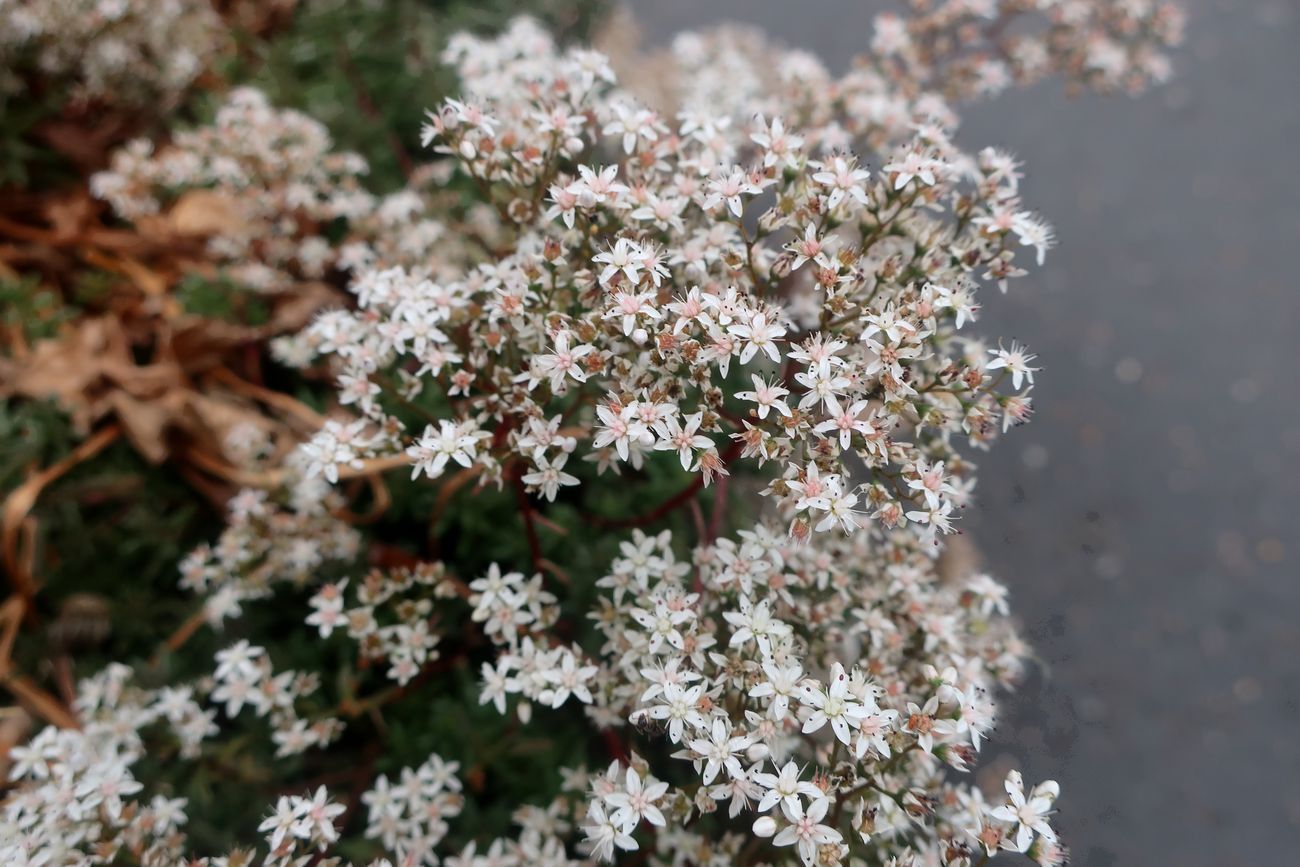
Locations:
(410, 817)
(269, 539)
(725, 286)
(280, 207)
(763, 271)
(390, 621)
(717, 249)
(981, 47)
(244, 678)
(961, 49)
(735, 657)
(77, 800)
(272, 179)
(120, 51)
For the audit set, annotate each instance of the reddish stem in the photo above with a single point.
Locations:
(669, 505)
(719, 509)
(616, 747)
(530, 525)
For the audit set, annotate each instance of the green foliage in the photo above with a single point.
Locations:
(22, 156)
(368, 69)
(222, 299)
(37, 311)
(113, 528)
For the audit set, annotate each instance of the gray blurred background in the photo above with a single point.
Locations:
(1146, 522)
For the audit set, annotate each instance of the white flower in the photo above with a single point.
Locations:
(604, 833)
(566, 360)
(678, 706)
(718, 751)
(316, 818)
(1016, 361)
(280, 824)
(1034, 233)
(805, 830)
(434, 449)
(833, 705)
(838, 505)
(872, 730)
(843, 179)
(930, 482)
(729, 188)
(335, 446)
(754, 622)
(686, 440)
(327, 605)
(845, 421)
(629, 307)
(921, 721)
(597, 186)
(913, 165)
(624, 257)
(779, 145)
(784, 788)
(632, 124)
(637, 801)
(620, 428)
(1027, 813)
(549, 476)
(781, 683)
(767, 396)
(664, 624)
(758, 333)
(936, 520)
(240, 658)
(808, 248)
(569, 679)
(823, 386)
(496, 684)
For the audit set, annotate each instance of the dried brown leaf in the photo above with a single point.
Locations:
(70, 369)
(206, 212)
(146, 422)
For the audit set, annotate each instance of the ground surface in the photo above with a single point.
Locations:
(1147, 521)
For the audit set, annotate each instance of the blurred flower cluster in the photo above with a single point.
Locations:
(981, 47)
(268, 185)
(747, 279)
(125, 52)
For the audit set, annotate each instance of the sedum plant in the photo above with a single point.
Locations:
(75, 75)
(687, 403)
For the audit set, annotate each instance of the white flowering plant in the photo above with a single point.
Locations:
(75, 75)
(689, 398)
(114, 51)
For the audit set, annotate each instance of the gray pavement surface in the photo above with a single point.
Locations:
(1146, 521)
